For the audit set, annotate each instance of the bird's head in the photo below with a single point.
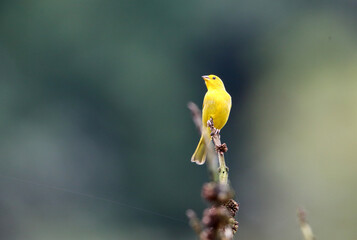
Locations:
(213, 82)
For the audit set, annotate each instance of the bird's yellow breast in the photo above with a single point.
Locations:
(216, 105)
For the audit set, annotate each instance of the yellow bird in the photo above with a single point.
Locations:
(216, 105)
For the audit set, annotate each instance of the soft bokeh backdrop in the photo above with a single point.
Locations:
(96, 138)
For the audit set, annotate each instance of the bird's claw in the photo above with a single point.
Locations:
(216, 132)
(210, 123)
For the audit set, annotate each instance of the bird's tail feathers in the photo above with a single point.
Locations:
(199, 157)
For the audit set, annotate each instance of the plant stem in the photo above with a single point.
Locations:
(221, 148)
(305, 227)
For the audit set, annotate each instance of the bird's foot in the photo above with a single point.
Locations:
(210, 123)
(216, 132)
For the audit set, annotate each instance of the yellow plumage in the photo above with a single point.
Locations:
(216, 105)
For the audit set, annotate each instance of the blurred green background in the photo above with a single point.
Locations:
(94, 124)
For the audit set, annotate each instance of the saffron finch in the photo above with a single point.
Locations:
(216, 105)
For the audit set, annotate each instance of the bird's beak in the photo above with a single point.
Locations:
(205, 77)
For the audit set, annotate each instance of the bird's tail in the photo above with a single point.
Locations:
(199, 156)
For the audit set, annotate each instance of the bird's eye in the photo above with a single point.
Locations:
(213, 78)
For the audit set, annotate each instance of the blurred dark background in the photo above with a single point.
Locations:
(94, 124)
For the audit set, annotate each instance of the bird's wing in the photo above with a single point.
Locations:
(208, 104)
(208, 100)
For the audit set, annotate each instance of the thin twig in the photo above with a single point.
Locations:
(305, 227)
(194, 221)
(196, 116)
